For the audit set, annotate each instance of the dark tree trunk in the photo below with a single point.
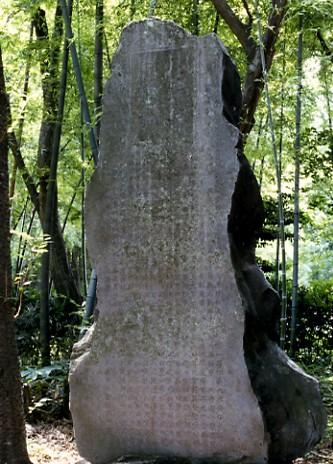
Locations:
(51, 221)
(49, 66)
(63, 278)
(13, 448)
(253, 83)
(326, 49)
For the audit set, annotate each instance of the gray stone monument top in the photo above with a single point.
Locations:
(163, 371)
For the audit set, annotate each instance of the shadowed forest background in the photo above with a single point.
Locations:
(284, 54)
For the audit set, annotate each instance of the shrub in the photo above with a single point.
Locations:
(314, 328)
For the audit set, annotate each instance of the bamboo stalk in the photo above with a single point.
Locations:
(22, 115)
(98, 66)
(277, 254)
(83, 171)
(51, 204)
(79, 80)
(195, 17)
(278, 181)
(257, 143)
(296, 188)
(328, 104)
(216, 23)
(87, 119)
(70, 205)
(14, 227)
(20, 264)
(21, 239)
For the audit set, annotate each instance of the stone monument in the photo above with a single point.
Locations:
(182, 361)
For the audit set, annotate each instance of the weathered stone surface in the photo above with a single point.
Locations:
(290, 399)
(164, 372)
(147, 459)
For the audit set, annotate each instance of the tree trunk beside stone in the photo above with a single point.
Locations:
(13, 448)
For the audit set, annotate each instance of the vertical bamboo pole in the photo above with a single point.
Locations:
(83, 173)
(328, 104)
(79, 81)
(98, 65)
(296, 187)
(277, 254)
(257, 144)
(83, 223)
(92, 137)
(216, 23)
(195, 17)
(21, 238)
(20, 263)
(22, 115)
(278, 181)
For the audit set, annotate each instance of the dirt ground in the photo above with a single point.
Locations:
(54, 443)
(320, 456)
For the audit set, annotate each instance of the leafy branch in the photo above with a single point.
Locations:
(254, 76)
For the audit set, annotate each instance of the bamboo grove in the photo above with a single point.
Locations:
(56, 57)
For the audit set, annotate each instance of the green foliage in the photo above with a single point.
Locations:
(47, 373)
(46, 392)
(316, 251)
(317, 160)
(65, 323)
(314, 331)
(270, 226)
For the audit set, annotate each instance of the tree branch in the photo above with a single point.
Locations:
(328, 52)
(28, 180)
(236, 26)
(275, 18)
(253, 81)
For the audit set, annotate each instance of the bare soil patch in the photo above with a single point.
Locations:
(52, 443)
(320, 456)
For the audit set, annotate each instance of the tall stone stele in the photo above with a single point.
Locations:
(182, 360)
